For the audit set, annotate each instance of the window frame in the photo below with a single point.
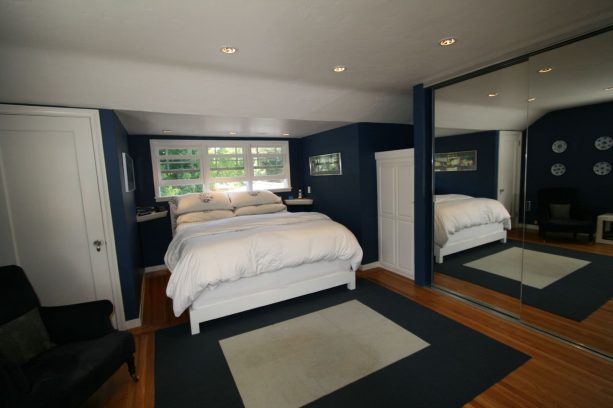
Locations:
(205, 172)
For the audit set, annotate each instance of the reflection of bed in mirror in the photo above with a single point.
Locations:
(462, 222)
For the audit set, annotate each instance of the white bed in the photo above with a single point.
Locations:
(462, 222)
(236, 263)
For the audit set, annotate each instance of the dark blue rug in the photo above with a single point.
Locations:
(459, 364)
(575, 296)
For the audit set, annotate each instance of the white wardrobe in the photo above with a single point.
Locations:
(395, 200)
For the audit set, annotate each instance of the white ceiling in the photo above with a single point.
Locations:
(581, 73)
(158, 58)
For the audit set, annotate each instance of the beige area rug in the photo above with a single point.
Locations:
(292, 363)
(540, 269)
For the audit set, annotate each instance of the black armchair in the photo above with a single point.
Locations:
(85, 349)
(559, 211)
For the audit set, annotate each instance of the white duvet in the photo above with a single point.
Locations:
(454, 212)
(203, 255)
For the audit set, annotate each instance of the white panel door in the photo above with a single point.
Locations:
(405, 248)
(52, 212)
(387, 234)
(404, 173)
(509, 165)
(387, 191)
(395, 189)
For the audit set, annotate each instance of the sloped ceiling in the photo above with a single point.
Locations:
(581, 74)
(154, 58)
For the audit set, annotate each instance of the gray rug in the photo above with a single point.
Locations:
(458, 364)
(295, 362)
(540, 269)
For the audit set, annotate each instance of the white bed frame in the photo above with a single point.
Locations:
(470, 238)
(272, 293)
(236, 304)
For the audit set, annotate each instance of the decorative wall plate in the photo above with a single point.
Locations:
(558, 169)
(602, 168)
(559, 146)
(603, 143)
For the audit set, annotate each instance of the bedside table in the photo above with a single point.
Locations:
(299, 204)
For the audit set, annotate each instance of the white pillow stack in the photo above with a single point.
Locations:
(256, 202)
(209, 201)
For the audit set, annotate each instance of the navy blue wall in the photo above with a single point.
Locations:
(423, 119)
(579, 127)
(480, 183)
(123, 210)
(351, 198)
(155, 235)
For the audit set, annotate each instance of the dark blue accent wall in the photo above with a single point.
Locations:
(351, 198)
(480, 183)
(579, 127)
(423, 120)
(155, 235)
(123, 212)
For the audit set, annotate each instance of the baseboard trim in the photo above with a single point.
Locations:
(528, 226)
(155, 268)
(131, 324)
(371, 265)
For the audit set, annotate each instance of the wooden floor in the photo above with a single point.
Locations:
(595, 331)
(558, 375)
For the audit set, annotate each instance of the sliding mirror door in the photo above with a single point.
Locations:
(479, 125)
(567, 269)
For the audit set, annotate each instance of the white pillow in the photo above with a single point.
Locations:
(216, 200)
(204, 216)
(260, 209)
(246, 198)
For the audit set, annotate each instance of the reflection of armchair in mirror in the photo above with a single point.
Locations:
(559, 211)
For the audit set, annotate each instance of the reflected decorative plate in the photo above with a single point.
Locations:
(604, 143)
(602, 168)
(558, 169)
(559, 146)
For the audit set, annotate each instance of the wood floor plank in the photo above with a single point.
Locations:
(557, 375)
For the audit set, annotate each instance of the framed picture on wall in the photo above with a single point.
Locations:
(456, 161)
(326, 165)
(128, 173)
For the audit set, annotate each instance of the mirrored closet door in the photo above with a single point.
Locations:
(535, 139)
(479, 125)
(568, 269)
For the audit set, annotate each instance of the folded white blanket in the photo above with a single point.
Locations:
(452, 214)
(203, 255)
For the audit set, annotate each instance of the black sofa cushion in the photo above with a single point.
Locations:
(68, 374)
(24, 338)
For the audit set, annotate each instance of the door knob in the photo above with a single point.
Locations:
(98, 244)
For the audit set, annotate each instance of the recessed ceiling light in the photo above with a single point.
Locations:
(608, 89)
(531, 99)
(285, 134)
(228, 50)
(445, 42)
(545, 70)
(492, 94)
(232, 133)
(339, 68)
(166, 131)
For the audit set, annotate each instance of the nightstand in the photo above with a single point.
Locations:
(299, 204)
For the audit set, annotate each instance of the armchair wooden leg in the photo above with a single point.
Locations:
(132, 368)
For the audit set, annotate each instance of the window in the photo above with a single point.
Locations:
(186, 166)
